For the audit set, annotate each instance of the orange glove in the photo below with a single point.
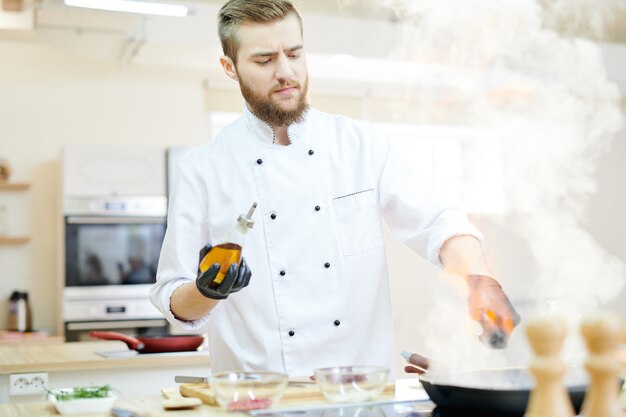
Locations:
(489, 306)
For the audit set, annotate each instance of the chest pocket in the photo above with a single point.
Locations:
(358, 221)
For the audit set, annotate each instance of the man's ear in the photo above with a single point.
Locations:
(229, 68)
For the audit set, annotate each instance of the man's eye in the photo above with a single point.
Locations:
(294, 55)
(265, 61)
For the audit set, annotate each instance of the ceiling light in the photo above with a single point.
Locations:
(132, 6)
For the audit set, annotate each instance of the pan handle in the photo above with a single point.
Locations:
(132, 342)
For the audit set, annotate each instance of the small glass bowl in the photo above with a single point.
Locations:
(343, 384)
(242, 391)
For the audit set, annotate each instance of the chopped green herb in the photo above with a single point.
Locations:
(81, 392)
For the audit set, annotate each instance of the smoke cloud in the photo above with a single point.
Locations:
(524, 70)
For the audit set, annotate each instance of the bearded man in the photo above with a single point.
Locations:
(324, 185)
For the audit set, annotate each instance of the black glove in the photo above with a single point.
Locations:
(237, 277)
(489, 305)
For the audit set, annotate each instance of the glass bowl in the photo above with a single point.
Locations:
(342, 384)
(241, 391)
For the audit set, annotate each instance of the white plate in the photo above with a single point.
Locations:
(82, 405)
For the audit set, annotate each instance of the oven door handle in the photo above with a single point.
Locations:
(114, 219)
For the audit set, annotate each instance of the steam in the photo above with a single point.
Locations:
(580, 17)
(546, 95)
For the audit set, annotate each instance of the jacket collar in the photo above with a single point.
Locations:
(265, 133)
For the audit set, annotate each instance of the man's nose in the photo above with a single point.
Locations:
(284, 70)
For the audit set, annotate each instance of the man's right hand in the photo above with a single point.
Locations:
(418, 364)
(237, 277)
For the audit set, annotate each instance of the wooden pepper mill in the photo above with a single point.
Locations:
(549, 397)
(602, 333)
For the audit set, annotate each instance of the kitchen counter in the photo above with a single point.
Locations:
(148, 406)
(151, 406)
(78, 364)
(300, 398)
(82, 356)
(13, 338)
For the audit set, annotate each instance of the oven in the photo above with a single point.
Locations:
(114, 219)
(112, 248)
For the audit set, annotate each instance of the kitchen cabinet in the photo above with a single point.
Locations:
(5, 238)
(79, 363)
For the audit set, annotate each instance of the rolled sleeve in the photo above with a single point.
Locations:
(451, 223)
(160, 295)
(186, 232)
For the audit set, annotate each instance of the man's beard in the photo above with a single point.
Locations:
(263, 108)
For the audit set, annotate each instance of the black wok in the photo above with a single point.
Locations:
(490, 392)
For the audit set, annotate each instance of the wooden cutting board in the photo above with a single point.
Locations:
(305, 394)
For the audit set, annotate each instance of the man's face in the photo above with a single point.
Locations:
(271, 70)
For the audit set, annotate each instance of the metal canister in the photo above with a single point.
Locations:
(19, 312)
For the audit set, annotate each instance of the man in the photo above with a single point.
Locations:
(319, 294)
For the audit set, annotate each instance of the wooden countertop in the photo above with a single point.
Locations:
(147, 406)
(10, 338)
(152, 405)
(143, 405)
(73, 356)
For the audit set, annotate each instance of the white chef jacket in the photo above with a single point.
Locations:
(319, 292)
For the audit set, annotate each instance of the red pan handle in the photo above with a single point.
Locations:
(132, 342)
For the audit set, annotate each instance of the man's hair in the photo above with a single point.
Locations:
(235, 12)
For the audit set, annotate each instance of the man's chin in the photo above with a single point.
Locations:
(287, 109)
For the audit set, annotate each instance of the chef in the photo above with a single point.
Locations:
(312, 289)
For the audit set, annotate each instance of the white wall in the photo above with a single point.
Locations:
(49, 99)
(606, 208)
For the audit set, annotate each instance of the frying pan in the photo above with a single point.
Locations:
(152, 344)
(493, 392)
